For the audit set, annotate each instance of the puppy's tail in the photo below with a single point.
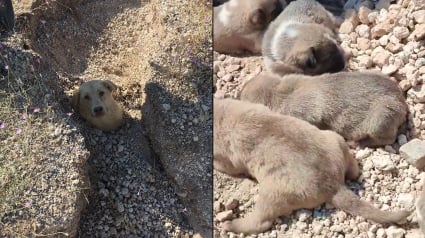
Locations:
(346, 200)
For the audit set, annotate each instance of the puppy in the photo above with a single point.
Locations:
(420, 209)
(94, 101)
(361, 106)
(296, 165)
(239, 25)
(303, 39)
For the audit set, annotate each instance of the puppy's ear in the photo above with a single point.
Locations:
(75, 100)
(109, 85)
(259, 19)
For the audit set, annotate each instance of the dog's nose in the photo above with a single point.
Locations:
(98, 109)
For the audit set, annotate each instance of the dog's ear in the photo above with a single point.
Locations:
(75, 100)
(258, 19)
(109, 85)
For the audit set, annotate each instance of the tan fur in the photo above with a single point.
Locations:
(361, 106)
(102, 111)
(296, 164)
(420, 209)
(245, 25)
(303, 39)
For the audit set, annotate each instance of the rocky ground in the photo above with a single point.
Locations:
(390, 39)
(61, 177)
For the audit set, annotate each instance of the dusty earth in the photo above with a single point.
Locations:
(61, 177)
(390, 39)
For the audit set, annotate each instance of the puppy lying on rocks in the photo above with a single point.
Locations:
(296, 165)
(94, 101)
(303, 39)
(239, 25)
(361, 106)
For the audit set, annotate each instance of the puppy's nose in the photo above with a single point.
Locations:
(98, 109)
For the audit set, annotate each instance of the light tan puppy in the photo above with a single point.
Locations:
(239, 25)
(302, 39)
(296, 165)
(420, 209)
(94, 101)
(361, 106)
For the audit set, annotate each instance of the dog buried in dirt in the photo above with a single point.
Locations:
(303, 39)
(239, 25)
(361, 106)
(94, 101)
(296, 165)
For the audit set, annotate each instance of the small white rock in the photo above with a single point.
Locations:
(380, 233)
(402, 139)
(303, 214)
(363, 30)
(395, 232)
(407, 200)
(401, 32)
(414, 153)
(363, 153)
(389, 69)
(383, 162)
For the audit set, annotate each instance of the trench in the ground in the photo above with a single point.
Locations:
(99, 39)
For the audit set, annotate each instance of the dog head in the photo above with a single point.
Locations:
(239, 24)
(243, 16)
(306, 48)
(95, 103)
(94, 98)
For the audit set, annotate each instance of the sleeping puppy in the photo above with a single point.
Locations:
(94, 101)
(303, 39)
(296, 165)
(420, 209)
(239, 25)
(361, 106)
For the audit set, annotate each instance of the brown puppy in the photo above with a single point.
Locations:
(296, 165)
(302, 39)
(94, 101)
(420, 209)
(239, 25)
(361, 106)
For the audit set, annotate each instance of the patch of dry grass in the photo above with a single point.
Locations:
(27, 119)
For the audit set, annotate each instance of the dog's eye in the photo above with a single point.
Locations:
(87, 97)
(101, 93)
